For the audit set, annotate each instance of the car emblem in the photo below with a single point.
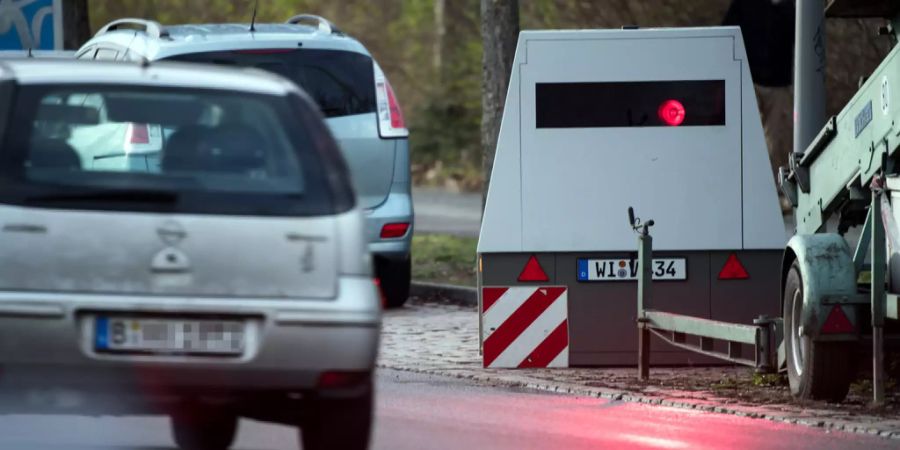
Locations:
(171, 233)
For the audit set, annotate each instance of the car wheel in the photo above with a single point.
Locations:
(338, 423)
(816, 370)
(204, 429)
(395, 277)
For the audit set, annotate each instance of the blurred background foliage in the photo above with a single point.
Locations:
(431, 50)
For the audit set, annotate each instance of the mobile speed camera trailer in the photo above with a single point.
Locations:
(840, 176)
(664, 120)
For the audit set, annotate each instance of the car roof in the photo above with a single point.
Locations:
(59, 54)
(199, 38)
(162, 74)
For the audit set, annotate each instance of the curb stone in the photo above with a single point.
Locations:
(444, 293)
(631, 397)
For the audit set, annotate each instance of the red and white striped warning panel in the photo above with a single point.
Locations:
(525, 326)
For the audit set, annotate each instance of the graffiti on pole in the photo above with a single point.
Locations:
(31, 24)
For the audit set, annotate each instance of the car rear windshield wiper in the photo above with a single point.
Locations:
(114, 195)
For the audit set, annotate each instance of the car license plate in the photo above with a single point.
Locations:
(169, 336)
(627, 269)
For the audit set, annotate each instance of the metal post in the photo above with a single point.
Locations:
(809, 72)
(862, 246)
(480, 282)
(878, 297)
(765, 359)
(645, 256)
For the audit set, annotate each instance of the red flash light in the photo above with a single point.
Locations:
(671, 112)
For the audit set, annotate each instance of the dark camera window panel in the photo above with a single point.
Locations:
(630, 104)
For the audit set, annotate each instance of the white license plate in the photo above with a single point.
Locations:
(169, 336)
(627, 269)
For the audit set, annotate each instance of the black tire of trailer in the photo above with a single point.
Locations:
(827, 368)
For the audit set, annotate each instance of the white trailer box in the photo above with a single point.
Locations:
(663, 120)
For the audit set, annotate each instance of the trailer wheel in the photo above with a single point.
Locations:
(816, 370)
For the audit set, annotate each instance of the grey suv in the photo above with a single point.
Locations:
(224, 274)
(350, 88)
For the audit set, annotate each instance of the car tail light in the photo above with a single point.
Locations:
(394, 230)
(390, 117)
(396, 113)
(339, 379)
(138, 133)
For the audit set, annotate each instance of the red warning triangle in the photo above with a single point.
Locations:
(533, 271)
(733, 269)
(837, 322)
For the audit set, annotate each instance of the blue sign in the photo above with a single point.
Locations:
(34, 24)
(863, 118)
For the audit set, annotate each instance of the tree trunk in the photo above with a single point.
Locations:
(499, 33)
(76, 24)
(440, 31)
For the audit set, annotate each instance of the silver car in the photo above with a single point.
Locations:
(350, 88)
(223, 275)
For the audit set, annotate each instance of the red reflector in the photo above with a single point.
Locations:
(394, 230)
(139, 134)
(837, 322)
(671, 112)
(733, 269)
(341, 379)
(396, 114)
(533, 271)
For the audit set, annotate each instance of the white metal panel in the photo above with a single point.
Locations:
(568, 189)
(182, 75)
(763, 221)
(501, 224)
(577, 184)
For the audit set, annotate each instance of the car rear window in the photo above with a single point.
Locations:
(181, 150)
(342, 83)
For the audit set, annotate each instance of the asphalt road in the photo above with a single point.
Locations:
(425, 412)
(439, 211)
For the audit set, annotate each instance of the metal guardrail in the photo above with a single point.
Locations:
(697, 334)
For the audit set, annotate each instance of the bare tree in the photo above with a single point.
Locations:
(76, 23)
(440, 31)
(499, 33)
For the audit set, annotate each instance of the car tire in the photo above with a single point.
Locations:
(395, 277)
(816, 370)
(338, 423)
(204, 428)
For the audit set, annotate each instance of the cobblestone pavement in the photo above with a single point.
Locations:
(442, 339)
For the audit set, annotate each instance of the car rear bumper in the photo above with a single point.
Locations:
(398, 208)
(47, 345)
